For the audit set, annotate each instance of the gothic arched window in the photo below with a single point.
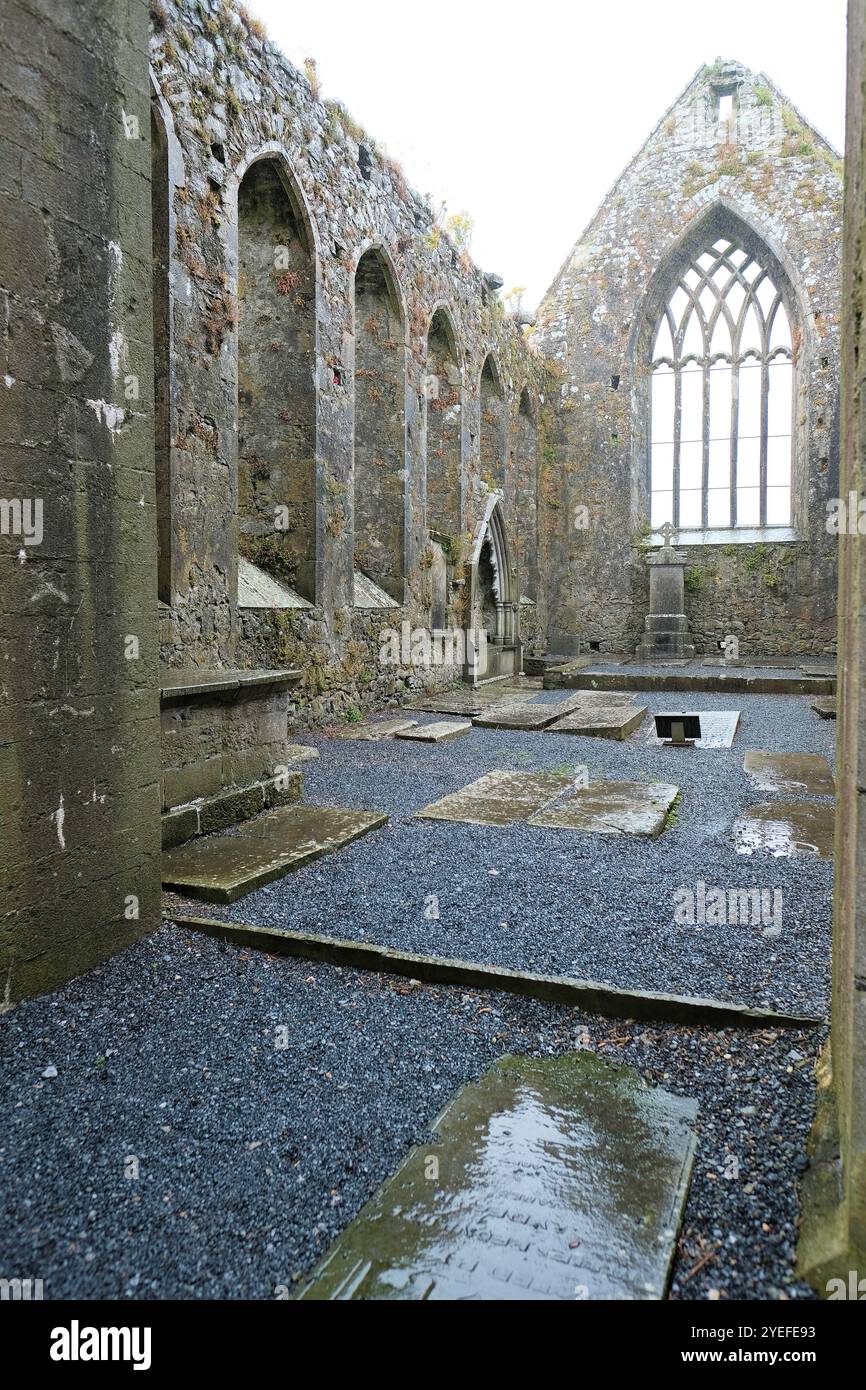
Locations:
(722, 397)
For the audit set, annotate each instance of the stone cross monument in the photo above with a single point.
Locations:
(666, 629)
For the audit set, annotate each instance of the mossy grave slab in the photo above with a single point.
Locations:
(786, 828)
(223, 868)
(375, 732)
(601, 721)
(443, 732)
(499, 798)
(612, 808)
(790, 772)
(563, 1179)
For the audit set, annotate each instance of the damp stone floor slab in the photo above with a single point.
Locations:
(612, 808)
(718, 729)
(442, 732)
(375, 732)
(785, 828)
(223, 868)
(601, 721)
(790, 772)
(499, 798)
(562, 1179)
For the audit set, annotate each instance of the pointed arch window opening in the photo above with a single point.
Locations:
(722, 397)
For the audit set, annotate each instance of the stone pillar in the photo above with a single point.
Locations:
(666, 633)
(79, 753)
(833, 1239)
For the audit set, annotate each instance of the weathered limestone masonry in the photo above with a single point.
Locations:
(833, 1241)
(730, 159)
(79, 745)
(329, 352)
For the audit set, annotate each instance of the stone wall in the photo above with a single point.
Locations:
(765, 177)
(79, 751)
(833, 1241)
(342, 678)
(233, 108)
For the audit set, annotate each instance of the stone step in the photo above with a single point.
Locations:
(562, 1179)
(223, 868)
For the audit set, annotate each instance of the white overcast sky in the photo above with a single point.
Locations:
(524, 116)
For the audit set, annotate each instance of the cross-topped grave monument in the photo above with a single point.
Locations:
(666, 628)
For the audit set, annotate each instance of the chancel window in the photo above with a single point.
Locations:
(722, 397)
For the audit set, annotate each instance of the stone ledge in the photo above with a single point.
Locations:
(179, 686)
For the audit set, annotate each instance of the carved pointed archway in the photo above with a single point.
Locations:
(494, 601)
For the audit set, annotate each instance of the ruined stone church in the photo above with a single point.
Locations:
(272, 410)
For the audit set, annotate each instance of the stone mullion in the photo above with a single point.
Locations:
(735, 428)
(678, 405)
(705, 462)
(765, 411)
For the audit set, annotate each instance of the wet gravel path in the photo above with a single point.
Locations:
(587, 906)
(255, 1147)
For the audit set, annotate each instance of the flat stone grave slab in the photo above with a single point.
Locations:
(520, 717)
(562, 1179)
(583, 699)
(223, 868)
(469, 702)
(612, 808)
(539, 712)
(718, 729)
(790, 772)
(499, 798)
(442, 732)
(375, 732)
(785, 828)
(300, 753)
(825, 706)
(601, 721)
(577, 663)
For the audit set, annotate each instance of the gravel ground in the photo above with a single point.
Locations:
(587, 906)
(252, 1158)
